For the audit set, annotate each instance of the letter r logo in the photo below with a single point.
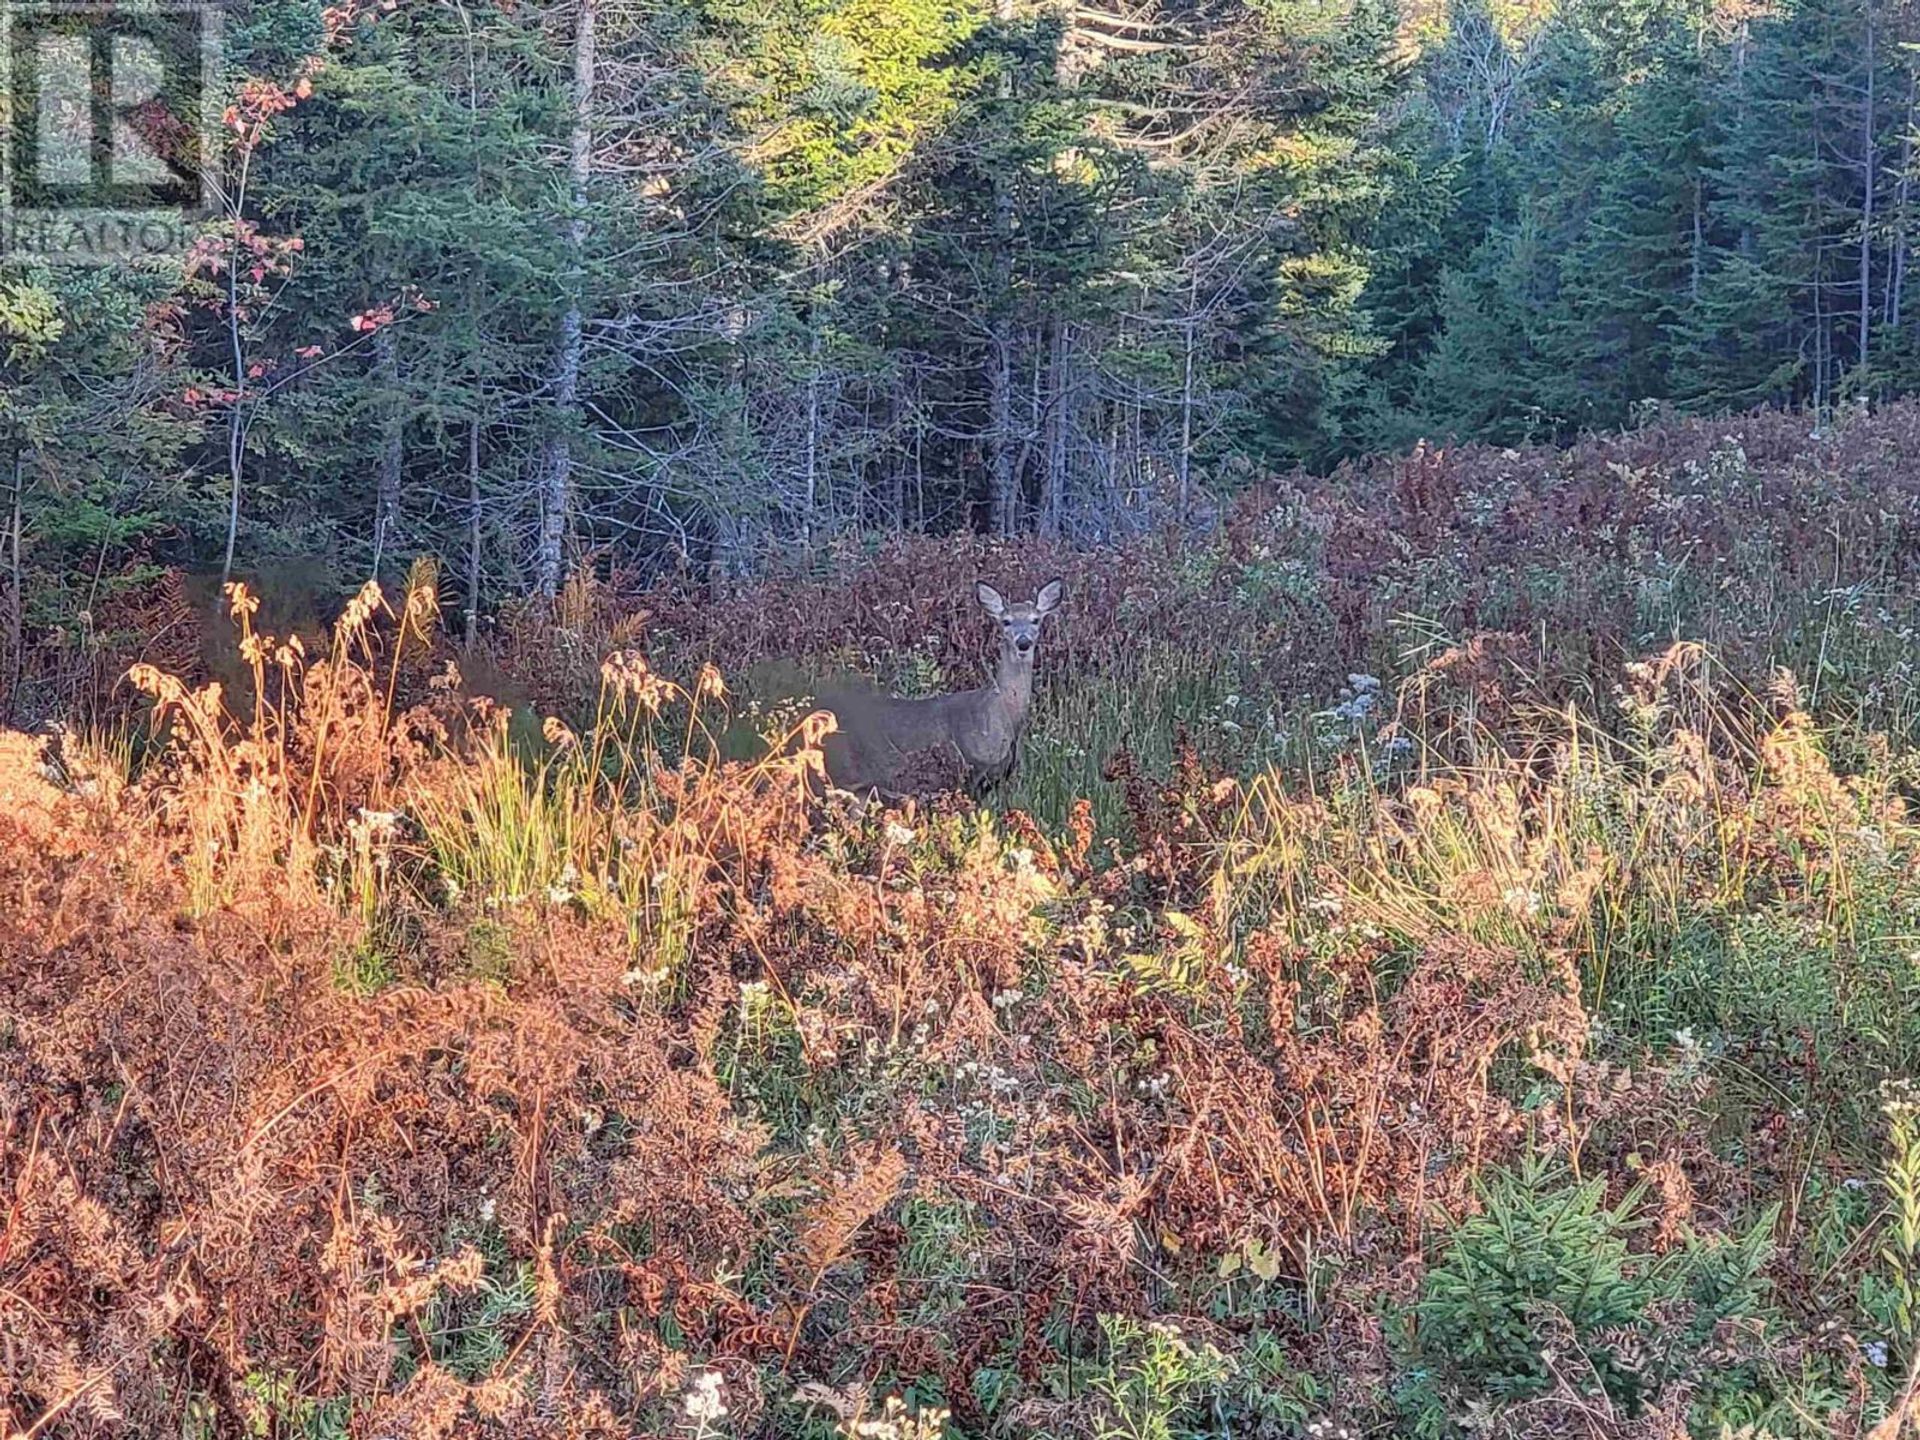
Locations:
(106, 102)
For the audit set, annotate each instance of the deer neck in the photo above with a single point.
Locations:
(1012, 689)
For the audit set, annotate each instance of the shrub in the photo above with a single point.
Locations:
(1539, 1302)
(1153, 1381)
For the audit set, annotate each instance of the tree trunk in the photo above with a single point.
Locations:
(16, 596)
(1004, 502)
(386, 468)
(1902, 199)
(1699, 239)
(1005, 513)
(473, 528)
(1110, 475)
(897, 461)
(1870, 168)
(1189, 345)
(919, 460)
(810, 463)
(236, 425)
(1053, 503)
(1821, 346)
(555, 460)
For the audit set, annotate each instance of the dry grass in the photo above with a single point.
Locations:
(376, 1062)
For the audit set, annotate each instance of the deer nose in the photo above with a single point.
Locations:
(1023, 644)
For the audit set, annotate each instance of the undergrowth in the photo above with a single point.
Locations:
(1464, 1041)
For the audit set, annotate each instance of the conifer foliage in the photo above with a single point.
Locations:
(668, 288)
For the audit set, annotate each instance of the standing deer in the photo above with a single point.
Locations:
(896, 746)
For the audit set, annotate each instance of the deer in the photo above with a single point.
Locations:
(887, 745)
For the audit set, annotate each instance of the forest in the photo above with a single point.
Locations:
(1400, 524)
(676, 288)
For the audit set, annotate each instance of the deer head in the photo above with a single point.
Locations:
(1020, 622)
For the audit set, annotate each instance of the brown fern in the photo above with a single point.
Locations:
(826, 1236)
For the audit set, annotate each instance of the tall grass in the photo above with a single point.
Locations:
(1321, 970)
(1708, 871)
(1141, 705)
(323, 785)
(636, 822)
(250, 791)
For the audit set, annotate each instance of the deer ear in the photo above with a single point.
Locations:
(1050, 596)
(990, 600)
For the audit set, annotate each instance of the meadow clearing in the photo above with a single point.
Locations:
(1448, 964)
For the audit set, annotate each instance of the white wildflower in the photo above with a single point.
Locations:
(705, 1404)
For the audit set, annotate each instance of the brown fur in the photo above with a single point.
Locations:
(896, 746)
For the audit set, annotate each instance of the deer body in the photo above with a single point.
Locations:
(970, 739)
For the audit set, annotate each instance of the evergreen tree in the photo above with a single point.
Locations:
(93, 443)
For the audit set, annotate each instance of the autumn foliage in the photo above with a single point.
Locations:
(377, 1061)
